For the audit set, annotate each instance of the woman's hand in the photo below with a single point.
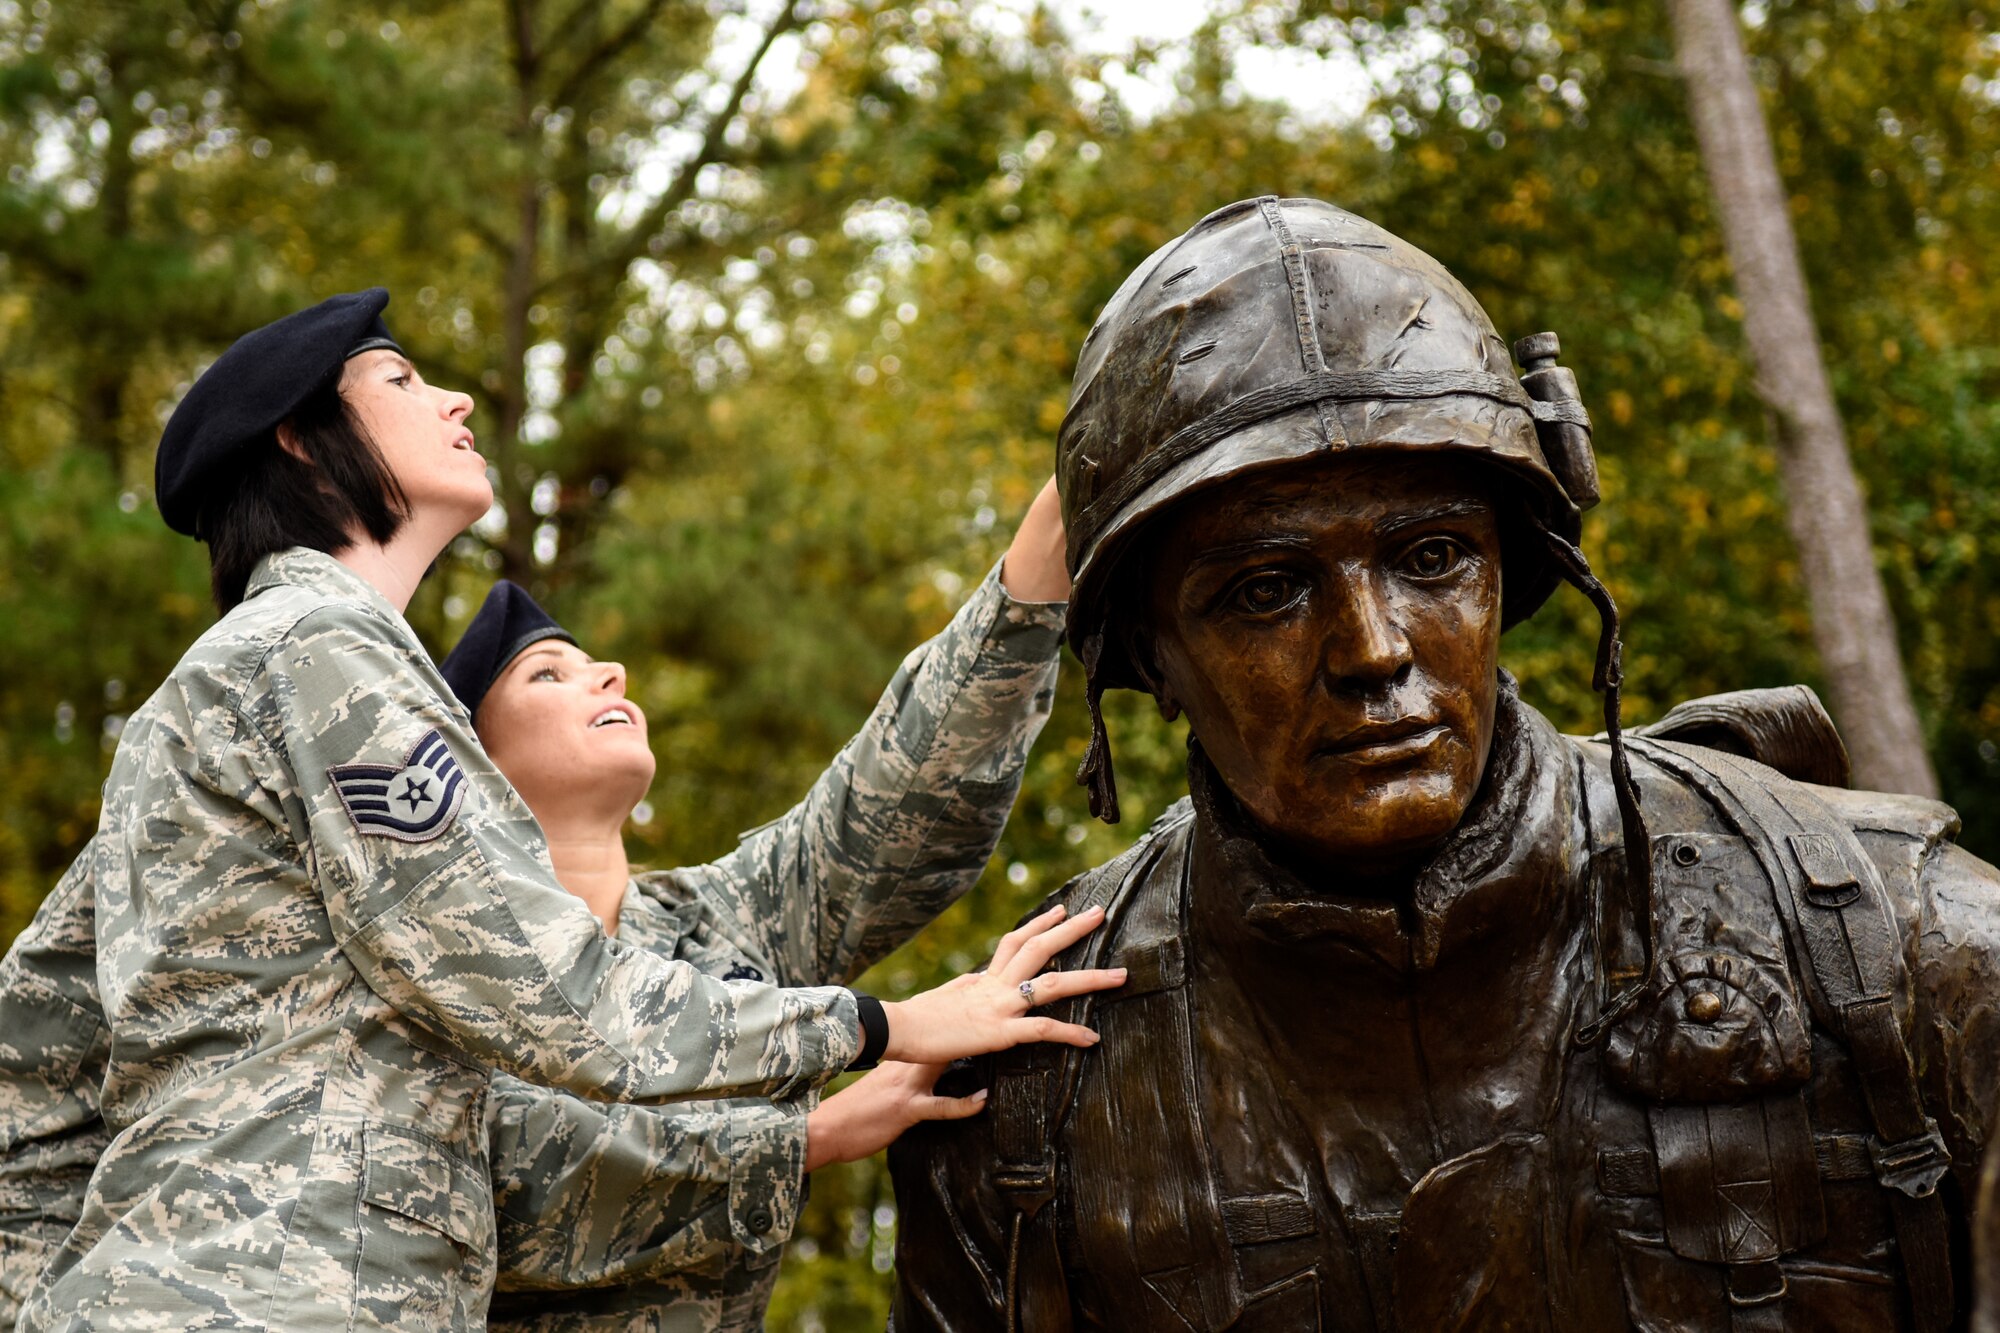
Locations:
(988, 1011)
(869, 1114)
(1035, 568)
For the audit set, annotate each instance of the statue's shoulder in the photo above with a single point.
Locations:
(1137, 889)
(1107, 885)
(1750, 765)
(1946, 902)
(1920, 825)
(1793, 745)
(1788, 730)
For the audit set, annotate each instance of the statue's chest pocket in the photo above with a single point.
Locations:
(1714, 897)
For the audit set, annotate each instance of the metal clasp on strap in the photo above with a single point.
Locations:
(1752, 1285)
(1914, 1166)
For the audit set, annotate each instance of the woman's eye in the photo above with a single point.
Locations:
(1433, 559)
(546, 673)
(400, 381)
(1266, 593)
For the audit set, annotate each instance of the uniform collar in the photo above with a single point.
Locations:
(646, 923)
(303, 567)
(1507, 866)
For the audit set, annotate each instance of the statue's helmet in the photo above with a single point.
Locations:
(1278, 330)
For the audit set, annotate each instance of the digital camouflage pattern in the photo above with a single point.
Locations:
(898, 827)
(52, 1052)
(306, 1016)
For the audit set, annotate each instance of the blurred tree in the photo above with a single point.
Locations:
(1850, 612)
(135, 233)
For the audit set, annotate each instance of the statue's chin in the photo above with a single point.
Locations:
(1373, 848)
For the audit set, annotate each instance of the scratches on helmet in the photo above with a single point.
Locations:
(1197, 353)
(1177, 277)
(1324, 243)
(1416, 318)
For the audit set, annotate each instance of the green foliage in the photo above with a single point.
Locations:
(765, 400)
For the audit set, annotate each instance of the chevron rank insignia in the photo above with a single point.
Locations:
(412, 802)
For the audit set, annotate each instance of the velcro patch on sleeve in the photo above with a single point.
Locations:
(411, 802)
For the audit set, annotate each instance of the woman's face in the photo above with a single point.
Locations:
(421, 432)
(560, 727)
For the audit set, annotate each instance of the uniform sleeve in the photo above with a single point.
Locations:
(1958, 980)
(438, 889)
(591, 1195)
(903, 821)
(53, 1048)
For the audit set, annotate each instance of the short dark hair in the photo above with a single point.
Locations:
(280, 500)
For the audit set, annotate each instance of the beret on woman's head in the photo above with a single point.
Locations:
(253, 386)
(509, 622)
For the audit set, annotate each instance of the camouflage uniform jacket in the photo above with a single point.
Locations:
(897, 828)
(308, 987)
(53, 1048)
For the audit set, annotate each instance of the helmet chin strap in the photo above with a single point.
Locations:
(1608, 680)
(1095, 773)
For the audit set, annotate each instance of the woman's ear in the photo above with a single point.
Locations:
(1137, 641)
(288, 440)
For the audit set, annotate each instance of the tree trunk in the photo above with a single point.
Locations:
(516, 301)
(1852, 627)
(100, 391)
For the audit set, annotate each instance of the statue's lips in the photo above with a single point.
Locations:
(1384, 745)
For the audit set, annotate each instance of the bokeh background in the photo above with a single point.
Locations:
(770, 309)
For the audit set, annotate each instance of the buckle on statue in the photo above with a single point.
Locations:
(1914, 1166)
(1752, 1285)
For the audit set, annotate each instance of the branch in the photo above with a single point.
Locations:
(487, 234)
(607, 51)
(632, 245)
(225, 18)
(523, 33)
(32, 243)
(572, 22)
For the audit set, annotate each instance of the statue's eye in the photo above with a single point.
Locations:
(1434, 558)
(1266, 593)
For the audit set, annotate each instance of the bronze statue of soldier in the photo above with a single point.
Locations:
(1439, 1019)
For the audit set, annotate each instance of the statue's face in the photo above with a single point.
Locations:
(1332, 631)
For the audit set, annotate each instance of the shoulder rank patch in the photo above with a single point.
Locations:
(414, 802)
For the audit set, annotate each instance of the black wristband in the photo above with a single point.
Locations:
(874, 1031)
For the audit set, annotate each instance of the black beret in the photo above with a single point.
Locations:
(508, 622)
(251, 388)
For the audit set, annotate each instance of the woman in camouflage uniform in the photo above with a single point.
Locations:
(322, 918)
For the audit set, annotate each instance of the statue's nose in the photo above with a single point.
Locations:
(1366, 648)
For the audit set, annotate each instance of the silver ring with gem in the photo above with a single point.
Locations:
(1027, 989)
